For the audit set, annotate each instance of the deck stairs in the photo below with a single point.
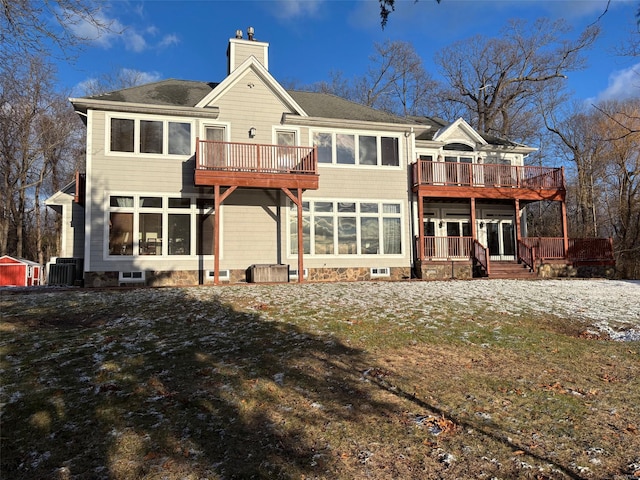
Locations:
(511, 270)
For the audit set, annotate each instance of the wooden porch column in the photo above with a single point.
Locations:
(297, 199)
(474, 230)
(420, 227)
(565, 234)
(217, 201)
(518, 233)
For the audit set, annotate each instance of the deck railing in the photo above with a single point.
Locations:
(448, 247)
(427, 172)
(253, 157)
(527, 254)
(481, 255)
(580, 249)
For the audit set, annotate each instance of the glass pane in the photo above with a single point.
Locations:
(453, 229)
(347, 243)
(116, 201)
(179, 138)
(286, 138)
(368, 150)
(368, 208)
(150, 136)
(323, 207)
(508, 239)
(391, 208)
(179, 234)
(349, 207)
(323, 235)
(150, 234)
(391, 236)
(122, 135)
(150, 202)
(205, 224)
(214, 134)
(492, 238)
(390, 155)
(324, 142)
(179, 203)
(466, 229)
(369, 235)
(293, 235)
(120, 233)
(345, 149)
(429, 228)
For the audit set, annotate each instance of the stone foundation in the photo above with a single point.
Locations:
(458, 270)
(191, 277)
(568, 270)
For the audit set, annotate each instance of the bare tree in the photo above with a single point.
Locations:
(497, 81)
(37, 134)
(621, 179)
(40, 28)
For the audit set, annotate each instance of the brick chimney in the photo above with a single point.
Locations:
(240, 49)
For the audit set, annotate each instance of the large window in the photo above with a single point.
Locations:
(347, 228)
(146, 136)
(353, 149)
(163, 226)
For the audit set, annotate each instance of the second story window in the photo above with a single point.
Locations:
(354, 149)
(146, 136)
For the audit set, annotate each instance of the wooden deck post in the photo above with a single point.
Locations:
(297, 199)
(420, 228)
(518, 232)
(217, 201)
(565, 235)
(474, 230)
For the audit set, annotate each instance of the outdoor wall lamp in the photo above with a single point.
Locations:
(441, 224)
(481, 224)
(252, 132)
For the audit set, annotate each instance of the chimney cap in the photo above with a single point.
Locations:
(250, 33)
(238, 33)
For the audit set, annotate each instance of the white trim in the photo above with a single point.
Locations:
(223, 275)
(88, 200)
(233, 42)
(380, 215)
(135, 276)
(137, 118)
(293, 273)
(193, 211)
(378, 272)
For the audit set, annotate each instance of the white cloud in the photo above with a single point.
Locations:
(134, 41)
(623, 84)
(114, 81)
(289, 9)
(89, 30)
(169, 40)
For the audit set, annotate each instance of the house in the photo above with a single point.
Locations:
(18, 272)
(192, 182)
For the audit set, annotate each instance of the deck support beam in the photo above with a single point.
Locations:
(218, 198)
(297, 199)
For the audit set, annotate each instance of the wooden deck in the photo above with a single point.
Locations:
(251, 165)
(495, 181)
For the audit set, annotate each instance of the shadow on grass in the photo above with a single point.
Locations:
(172, 385)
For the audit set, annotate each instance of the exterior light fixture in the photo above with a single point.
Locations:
(441, 224)
(481, 224)
(252, 132)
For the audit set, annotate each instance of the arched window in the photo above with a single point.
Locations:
(460, 147)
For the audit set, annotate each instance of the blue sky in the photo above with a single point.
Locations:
(310, 38)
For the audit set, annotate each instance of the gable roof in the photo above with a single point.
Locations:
(250, 64)
(192, 94)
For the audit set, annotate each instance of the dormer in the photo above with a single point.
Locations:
(240, 49)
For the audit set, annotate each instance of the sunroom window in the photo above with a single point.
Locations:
(356, 149)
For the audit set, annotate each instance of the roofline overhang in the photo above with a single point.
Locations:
(84, 104)
(292, 119)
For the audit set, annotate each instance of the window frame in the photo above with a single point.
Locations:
(137, 209)
(356, 148)
(309, 215)
(137, 119)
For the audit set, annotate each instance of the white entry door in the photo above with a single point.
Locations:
(500, 238)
